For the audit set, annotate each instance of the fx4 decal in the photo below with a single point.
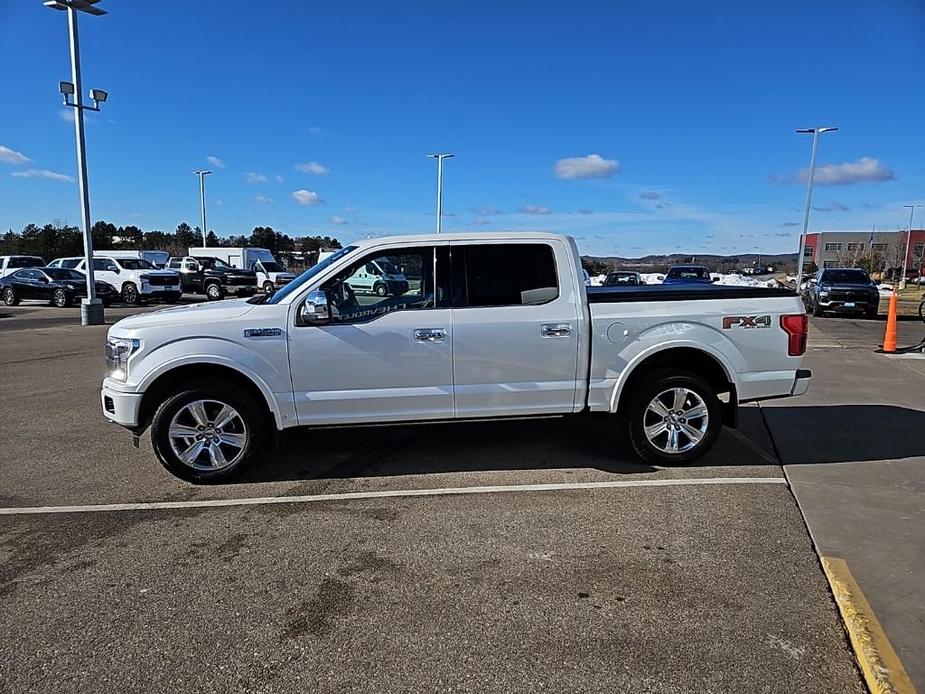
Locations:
(746, 322)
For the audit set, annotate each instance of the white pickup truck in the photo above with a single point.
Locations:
(489, 326)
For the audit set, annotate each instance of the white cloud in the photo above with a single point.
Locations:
(219, 202)
(864, 170)
(279, 179)
(313, 167)
(43, 173)
(487, 211)
(11, 156)
(66, 114)
(350, 208)
(650, 195)
(252, 177)
(591, 166)
(535, 209)
(216, 162)
(263, 199)
(337, 219)
(833, 207)
(307, 197)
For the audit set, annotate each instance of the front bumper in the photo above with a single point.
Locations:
(801, 382)
(120, 407)
(157, 289)
(849, 306)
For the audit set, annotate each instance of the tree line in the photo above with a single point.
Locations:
(57, 240)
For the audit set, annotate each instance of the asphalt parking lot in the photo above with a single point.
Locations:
(385, 576)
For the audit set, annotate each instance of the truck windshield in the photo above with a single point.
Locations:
(688, 273)
(271, 266)
(212, 263)
(307, 276)
(846, 276)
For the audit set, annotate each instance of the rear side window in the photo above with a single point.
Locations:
(69, 263)
(521, 274)
(25, 261)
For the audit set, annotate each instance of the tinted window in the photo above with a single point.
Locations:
(689, 273)
(174, 263)
(25, 261)
(356, 295)
(136, 264)
(63, 274)
(27, 274)
(504, 275)
(69, 262)
(271, 266)
(848, 276)
(621, 278)
(214, 263)
(104, 264)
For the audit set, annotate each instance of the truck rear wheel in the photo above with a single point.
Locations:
(674, 418)
(207, 432)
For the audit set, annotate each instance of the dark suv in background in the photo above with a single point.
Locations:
(213, 277)
(842, 290)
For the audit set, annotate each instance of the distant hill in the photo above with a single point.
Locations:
(781, 262)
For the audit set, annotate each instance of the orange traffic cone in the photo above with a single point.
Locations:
(889, 339)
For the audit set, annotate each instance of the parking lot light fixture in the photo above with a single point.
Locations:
(202, 173)
(902, 278)
(440, 158)
(91, 308)
(815, 132)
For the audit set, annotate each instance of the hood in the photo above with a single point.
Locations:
(194, 314)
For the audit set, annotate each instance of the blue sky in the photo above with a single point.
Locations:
(689, 108)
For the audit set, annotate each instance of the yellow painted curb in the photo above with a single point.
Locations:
(882, 669)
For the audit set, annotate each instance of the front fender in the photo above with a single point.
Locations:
(268, 371)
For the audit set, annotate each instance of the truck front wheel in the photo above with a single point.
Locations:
(207, 433)
(674, 418)
(214, 291)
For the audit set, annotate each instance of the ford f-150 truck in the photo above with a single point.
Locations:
(488, 326)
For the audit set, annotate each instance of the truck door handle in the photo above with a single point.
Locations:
(556, 330)
(430, 335)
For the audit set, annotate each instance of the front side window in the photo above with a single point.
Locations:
(136, 264)
(404, 280)
(104, 265)
(214, 264)
(521, 274)
(174, 263)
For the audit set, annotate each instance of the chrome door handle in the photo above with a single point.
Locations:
(556, 330)
(429, 335)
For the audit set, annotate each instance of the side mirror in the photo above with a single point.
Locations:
(714, 279)
(315, 309)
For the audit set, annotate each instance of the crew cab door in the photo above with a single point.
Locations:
(104, 270)
(378, 358)
(515, 328)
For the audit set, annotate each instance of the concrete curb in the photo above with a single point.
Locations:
(882, 669)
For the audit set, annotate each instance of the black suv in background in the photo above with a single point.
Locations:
(213, 277)
(842, 290)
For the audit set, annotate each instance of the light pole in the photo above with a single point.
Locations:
(91, 308)
(816, 132)
(440, 158)
(202, 173)
(902, 279)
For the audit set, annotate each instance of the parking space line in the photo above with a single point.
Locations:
(392, 493)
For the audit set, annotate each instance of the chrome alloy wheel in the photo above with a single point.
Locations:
(208, 435)
(676, 420)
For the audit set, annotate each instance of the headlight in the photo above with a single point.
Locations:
(824, 292)
(118, 351)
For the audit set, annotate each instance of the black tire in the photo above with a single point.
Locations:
(268, 288)
(60, 298)
(130, 294)
(872, 313)
(922, 311)
(381, 289)
(215, 291)
(638, 416)
(9, 297)
(817, 310)
(254, 425)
